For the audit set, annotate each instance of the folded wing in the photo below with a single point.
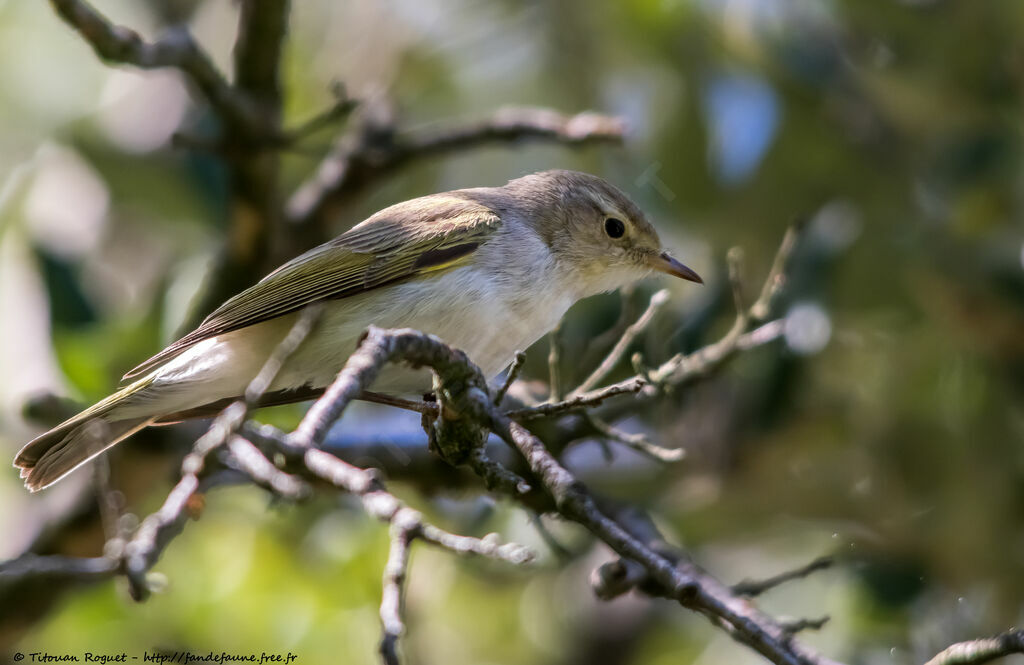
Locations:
(413, 238)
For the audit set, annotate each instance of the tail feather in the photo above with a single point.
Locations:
(51, 456)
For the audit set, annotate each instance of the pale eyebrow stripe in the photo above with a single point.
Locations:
(608, 207)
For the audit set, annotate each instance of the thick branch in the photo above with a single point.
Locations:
(262, 26)
(257, 240)
(118, 44)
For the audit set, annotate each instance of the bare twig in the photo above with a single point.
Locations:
(681, 368)
(289, 345)
(406, 526)
(751, 588)
(367, 485)
(629, 335)
(776, 280)
(254, 464)
(795, 626)
(510, 377)
(637, 442)
(418, 406)
(628, 312)
(341, 109)
(514, 124)
(762, 335)
(111, 502)
(975, 652)
(593, 398)
(406, 523)
(392, 597)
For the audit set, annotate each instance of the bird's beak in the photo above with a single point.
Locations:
(665, 263)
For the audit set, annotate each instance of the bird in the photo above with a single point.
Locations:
(488, 270)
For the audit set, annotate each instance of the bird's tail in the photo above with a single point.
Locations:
(51, 456)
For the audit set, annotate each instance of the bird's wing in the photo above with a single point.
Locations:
(407, 240)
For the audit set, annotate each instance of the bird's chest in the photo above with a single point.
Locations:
(490, 318)
(490, 310)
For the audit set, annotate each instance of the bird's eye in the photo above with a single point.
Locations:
(614, 227)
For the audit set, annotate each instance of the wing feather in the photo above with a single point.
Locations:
(414, 238)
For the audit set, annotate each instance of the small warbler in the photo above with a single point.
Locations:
(488, 270)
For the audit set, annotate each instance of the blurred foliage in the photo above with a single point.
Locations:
(893, 126)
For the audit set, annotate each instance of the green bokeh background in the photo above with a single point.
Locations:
(894, 127)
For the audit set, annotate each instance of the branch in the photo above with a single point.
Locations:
(157, 530)
(458, 426)
(250, 460)
(646, 563)
(752, 588)
(510, 377)
(462, 380)
(594, 398)
(975, 652)
(637, 442)
(681, 368)
(515, 124)
(256, 240)
(776, 280)
(406, 523)
(629, 335)
(684, 582)
(377, 148)
(341, 108)
(799, 625)
(392, 599)
(262, 25)
(138, 555)
(628, 311)
(178, 48)
(56, 569)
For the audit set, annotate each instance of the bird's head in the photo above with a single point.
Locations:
(594, 229)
